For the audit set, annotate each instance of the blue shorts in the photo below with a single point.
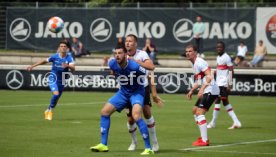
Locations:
(121, 100)
(56, 87)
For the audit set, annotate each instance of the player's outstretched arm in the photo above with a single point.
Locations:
(44, 61)
(190, 93)
(155, 97)
(147, 64)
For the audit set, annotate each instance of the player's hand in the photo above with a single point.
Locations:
(129, 57)
(159, 102)
(64, 65)
(229, 88)
(29, 68)
(189, 95)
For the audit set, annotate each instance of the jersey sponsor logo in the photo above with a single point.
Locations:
(20, 29)
(14, 79)
(101, 29)
(271, 30)
(51, 77)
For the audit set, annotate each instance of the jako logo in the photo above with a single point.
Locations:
(271, 30)
(183, 30)
(101, 29)
(20, 29)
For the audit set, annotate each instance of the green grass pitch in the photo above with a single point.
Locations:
(75, 127)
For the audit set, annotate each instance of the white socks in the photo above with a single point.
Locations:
(151, 127)
(215, 113)
(132, 130)
(202, 124)
(231, 113)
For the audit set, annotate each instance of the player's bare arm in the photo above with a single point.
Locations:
(147, 64)
(154, 94)
(207, 83)
(190, 93)
(44, 61)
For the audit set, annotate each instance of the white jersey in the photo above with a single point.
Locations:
(242, 51)
(223, 64)
(199, 67)
(142, 56)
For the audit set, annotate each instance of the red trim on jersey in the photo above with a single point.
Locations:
(230, 109)
(202, 122)
(201, 74)
(222, 67)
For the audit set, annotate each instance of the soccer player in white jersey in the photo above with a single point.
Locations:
(143, 59)
(207, 93)
(224, 74)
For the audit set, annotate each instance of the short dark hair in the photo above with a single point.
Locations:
(191, 46)
(222, 43)
(63, 42)
(134, 36)
(120, 46)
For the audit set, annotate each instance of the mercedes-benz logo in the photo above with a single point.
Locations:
(183, 30)
(14, 79)
(101, 29)
(170, 83)
(20, 29)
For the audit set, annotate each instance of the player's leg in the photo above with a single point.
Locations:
(202, 107)
(150, 119)
(116, 102)
(216, 111)
(137, 101)
(231, 113)
(132, 127)
(57, 91)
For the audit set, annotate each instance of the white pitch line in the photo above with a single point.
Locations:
(62, 104)
(235, 152)
(227, 145)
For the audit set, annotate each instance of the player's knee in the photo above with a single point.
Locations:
(147, 111)
(136, 115)
(194, 110)
(130, 120)
(107, 110)
(200, 111)
(56, 92)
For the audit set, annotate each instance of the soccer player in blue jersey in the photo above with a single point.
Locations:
(129, 74)
(61, 62)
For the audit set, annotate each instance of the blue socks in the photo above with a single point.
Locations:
(53, 101)
(105, 124)
(144, 132)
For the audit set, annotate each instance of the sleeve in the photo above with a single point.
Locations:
(203, 66)
(140, 70)
(228, 61)
(71, 60)
(51, 58)
(111, 64)
(144, 56)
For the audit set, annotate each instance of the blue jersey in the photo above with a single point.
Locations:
(57, 61)
(130, 78)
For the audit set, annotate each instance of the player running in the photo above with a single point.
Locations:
(131, 91)
(143, 59)
(207, 93)
(224, 74)
(61, 62)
